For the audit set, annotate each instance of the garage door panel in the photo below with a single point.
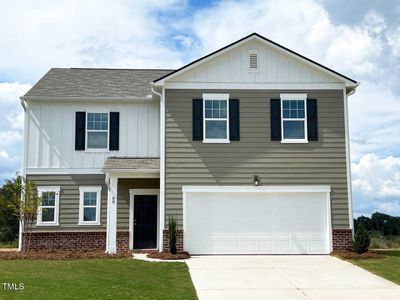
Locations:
(232, 223)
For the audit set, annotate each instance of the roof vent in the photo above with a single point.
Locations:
(253, 60)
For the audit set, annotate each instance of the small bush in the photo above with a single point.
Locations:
(172, 233)
(361, 240)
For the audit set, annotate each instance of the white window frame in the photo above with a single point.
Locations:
(44, 189)
(294, 97)
(90, 189)
(216, 97)
(87, 149)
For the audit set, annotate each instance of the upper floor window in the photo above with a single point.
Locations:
(89, 205)
(294, 118)
(216, 118)
(97, 130)
(48, 210)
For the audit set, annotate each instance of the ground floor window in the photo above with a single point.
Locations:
(89, 205)
(48, 210)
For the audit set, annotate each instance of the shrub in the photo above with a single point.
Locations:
(361, 240)
(172, 233)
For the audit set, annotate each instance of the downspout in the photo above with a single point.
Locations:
(25, 106)
(162, 163)
(348, 163)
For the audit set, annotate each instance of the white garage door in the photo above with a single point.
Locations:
(264, 220)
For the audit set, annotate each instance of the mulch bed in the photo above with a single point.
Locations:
(346, 254)
(168, 256)
(61, 255)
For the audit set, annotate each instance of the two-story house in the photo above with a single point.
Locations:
(247, 147)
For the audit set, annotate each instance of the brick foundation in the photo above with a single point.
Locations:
(74, 240)
(179, 240)
(342, 239)
(122, 240)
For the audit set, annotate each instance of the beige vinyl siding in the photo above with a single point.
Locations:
(69, 199)
(321, 162)
(124, 185)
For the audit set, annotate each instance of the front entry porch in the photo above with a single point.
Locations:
(133, 205)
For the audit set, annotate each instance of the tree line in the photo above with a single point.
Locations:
(383, 223)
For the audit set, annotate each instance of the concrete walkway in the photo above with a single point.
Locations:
(285, 277)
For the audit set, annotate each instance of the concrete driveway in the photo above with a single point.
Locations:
(285, 277)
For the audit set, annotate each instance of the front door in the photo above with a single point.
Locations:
(145, 222)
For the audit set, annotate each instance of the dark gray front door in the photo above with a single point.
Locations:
(145, 222)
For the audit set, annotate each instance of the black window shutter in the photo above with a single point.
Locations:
(234, 120)
(197, 119)
(114, 131)
(275, 119)
(80, 126)
(312, 120)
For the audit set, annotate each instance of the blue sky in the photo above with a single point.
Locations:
(358, 38)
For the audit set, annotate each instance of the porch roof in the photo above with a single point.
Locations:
(113, 164)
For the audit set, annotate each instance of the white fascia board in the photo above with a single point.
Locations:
(258, 189)
(254, 86)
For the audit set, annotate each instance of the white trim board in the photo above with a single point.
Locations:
(254, 86)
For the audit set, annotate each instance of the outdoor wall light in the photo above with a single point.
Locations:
(256, 180)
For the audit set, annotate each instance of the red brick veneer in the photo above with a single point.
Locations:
(342, 238)
(74, 240)
(179, 240)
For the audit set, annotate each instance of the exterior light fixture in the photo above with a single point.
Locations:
(256, 180)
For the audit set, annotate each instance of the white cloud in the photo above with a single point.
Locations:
(75, 33)
(305, 27)
(11, 127)
(377, 177)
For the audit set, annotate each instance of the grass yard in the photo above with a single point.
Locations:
(387, 267)
(96, 279)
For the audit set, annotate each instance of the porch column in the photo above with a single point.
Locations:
(112, 184)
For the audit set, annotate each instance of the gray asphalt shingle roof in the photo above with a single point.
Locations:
(86, 82)
(122, 163)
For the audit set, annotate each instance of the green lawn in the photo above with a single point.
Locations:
(13, 244)
(388, 267)
(96, 279)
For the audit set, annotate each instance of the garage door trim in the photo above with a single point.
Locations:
(263, 189)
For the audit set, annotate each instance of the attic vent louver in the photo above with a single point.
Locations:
(253, 60)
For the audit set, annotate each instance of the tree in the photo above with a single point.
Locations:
(172, 233)
(361, 240)
(24, 202)
(8, 221)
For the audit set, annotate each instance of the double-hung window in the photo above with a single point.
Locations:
(49, 206)
(89, 205)
(216, 118)
(294, 118)
(97, 128)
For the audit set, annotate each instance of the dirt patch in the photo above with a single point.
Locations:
(346, 254)
(61, 255)
(168, 256)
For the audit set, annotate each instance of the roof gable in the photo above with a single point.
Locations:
(277, 64)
